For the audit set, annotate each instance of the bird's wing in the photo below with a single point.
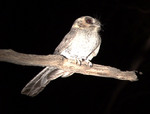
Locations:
(66, 41)
(95, 51)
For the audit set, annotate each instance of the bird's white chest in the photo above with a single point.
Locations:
(81, 46)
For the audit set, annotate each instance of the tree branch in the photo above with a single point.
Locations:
(65, 64)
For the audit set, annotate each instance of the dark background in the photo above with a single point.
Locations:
(38, 27)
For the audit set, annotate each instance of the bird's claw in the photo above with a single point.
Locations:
(89, 63)
(79, 61)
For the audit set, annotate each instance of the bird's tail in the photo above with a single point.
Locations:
(39, 82)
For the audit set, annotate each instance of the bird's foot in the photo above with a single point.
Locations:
(86, 62)
(78, 61)
(89, 63)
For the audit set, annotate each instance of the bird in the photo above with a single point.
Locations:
(81, 43)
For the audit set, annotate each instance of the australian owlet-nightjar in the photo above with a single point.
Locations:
(81, 43)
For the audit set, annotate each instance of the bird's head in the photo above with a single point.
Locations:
(87, 22)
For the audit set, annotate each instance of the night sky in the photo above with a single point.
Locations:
(34, 27)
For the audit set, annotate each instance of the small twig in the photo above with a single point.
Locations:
(65, 64)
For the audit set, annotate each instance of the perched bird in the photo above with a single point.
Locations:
(81, 43)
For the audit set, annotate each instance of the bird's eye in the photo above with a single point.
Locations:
(89, 21)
